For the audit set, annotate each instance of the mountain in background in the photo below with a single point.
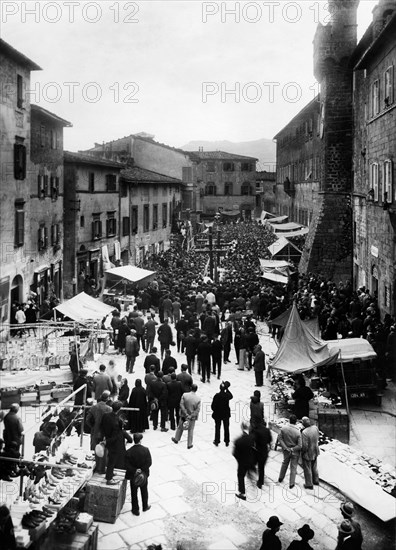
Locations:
(263, 149)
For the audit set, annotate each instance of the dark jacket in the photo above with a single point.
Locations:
(138, 420)
(13, 429)
(165, 334)
(186, 381)
(136, 457)
(204, 352)
(152, 359)
(175, 392)
(217, 348)
(244, 452)
(302, 397)
(270, 541)
(263, 438)
(190, 346)
(115, 437)
(259, 361)
(159, 390)
(221, 405)
(167, 363)
(79, 398)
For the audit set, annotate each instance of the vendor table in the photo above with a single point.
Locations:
(23, 378)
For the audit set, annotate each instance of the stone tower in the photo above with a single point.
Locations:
(328, 248)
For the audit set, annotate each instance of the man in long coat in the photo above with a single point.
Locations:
(112, 427)
(221, 413)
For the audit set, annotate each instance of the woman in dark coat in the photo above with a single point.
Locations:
(123, 331)
(302, 396)
(124, 392)
(138, 420)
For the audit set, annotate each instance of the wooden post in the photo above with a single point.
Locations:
(83, 418)
(211, 253)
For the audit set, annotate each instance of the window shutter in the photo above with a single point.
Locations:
(45, 237)
(19, 227)
(39, 186)
(39, 243)
(52, 235)
(93, 230)
(100, 229)
(45, 186)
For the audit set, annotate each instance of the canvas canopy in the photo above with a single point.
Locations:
(130, 273)
(300, 350)
(280, 227)
(275, 270)
(84, 308)
(280, 244)
(297, 233)
(352, 349)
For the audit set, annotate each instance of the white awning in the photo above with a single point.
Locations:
(290, 226)
(273, 263)
(276, 277)
(129, 272)
(84, 308)
(352, 349)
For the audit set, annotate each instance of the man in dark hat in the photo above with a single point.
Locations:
(138, 457)
(245, 456)
(221, 413)
(346, 536)
(113, 430)
(306, 534)
(347, 511)
(270, 541)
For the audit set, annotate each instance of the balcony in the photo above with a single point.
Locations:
(289, 187)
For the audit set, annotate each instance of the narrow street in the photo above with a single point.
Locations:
(192, 492)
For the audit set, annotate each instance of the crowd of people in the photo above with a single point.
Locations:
(203, 320)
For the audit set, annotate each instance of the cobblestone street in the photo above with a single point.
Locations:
(192, 492)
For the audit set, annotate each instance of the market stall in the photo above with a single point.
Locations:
(283, 249)
(121, 284)
(278, 271)
(361, 478)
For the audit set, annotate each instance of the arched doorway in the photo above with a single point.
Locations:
(17, 290)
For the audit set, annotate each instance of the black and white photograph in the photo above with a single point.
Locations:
(197, 275)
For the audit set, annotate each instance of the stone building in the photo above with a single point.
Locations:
(46, 201)
(224, 181)
(265, 191)
(143, 151)
(374, 155)
(30, 254)
(320, 155)
(298, 161)
(148, 203)
(92, 224)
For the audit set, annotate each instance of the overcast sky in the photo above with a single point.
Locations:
(181, 70)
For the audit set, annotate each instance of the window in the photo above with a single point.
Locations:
(53, 139)
(91, 182)
(19, 160)
(246, 167)
(82, 221)
(187, 174)
(228, 167)
(375, 98)
(210, 167)
(54, 188)
(20, 101)
(246, 189)
(19, 223)
(96, 227)
(387, 188)
(42, 186)
(42, 237)
(228, 188)
(210, 189)
(111, 182)
(111, 224)
(146, 218)
(55, 234)
(42, 135)
(388, 86)
(155, 190)
(155, 217)
(374, 180)
(123, 190)
(125, 226)
(134, 220)
(164, 214)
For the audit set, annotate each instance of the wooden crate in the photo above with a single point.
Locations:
(77, 541)
(334, 423)
(105, 502)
